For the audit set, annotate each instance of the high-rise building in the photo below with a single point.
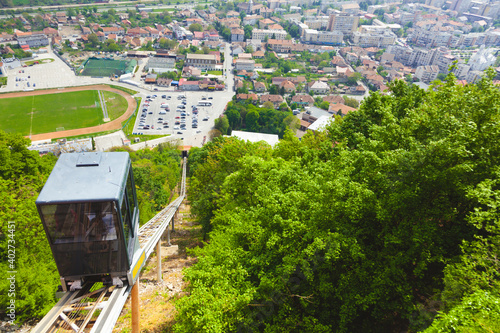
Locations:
(346, 23)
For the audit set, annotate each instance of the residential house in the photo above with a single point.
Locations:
(163, 82)
(335, 99)
(243, 73)
(86, 31)
(319, 87)
(237, 35)
(119, 31)
(168, 33)
(287, 86)
(280, 46)
(101, 36)
(213, 44)
(50, 32)
(263, 24)
(207, 84)
(258, 54)
(237, 50)
(232, 14)
(294, 79)
(190, 71)
(189, 85)
(151, 78)
(358, 90)
(277, 100)
(198, 35)
(259, 86)
(153, 33)
(138, 32)
(238, 83)
(375, 78)
(251, 19)
(213, 36)
(314, 113)
(303, 100)
(61, 18)
(244, 97)
(246, 56)
(275, 27)
(340, 109)
(266, 12)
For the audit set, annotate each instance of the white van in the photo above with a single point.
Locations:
(162, 112)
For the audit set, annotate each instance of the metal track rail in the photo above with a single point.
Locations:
(95, 308)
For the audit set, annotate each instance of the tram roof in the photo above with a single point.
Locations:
(91, 176)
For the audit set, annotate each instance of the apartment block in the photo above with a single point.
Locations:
(323, 37)
(274, 34)
(427, 73)
(380, 39)
(347, 23)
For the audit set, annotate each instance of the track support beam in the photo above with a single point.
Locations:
(158, 255)
(135, 308)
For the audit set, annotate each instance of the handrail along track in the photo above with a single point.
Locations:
(96, 307)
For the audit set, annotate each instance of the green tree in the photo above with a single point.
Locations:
(222, 124)
(357, 226)
(248, 31)
(252, 121)
(93, 40)
(195, 27)
(352, 102)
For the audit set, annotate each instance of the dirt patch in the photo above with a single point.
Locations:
(157, 310)
(112, 125)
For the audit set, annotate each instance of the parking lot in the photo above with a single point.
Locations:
(177, 113)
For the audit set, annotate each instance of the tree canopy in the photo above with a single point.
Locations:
(377, 224)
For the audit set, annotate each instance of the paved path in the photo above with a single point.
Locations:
(112, 125)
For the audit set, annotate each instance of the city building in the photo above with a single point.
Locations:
(237, 35)
(32, 39)
(323, 37)
(270, 34)
(202, 61)
(161, 62)
(246, 64)
(380, 39)
(427, 73)
(347, 23)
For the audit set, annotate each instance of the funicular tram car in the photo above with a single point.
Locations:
(89, 211)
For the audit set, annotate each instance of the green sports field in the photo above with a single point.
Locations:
(64, 111)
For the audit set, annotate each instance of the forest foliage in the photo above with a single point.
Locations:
(22, 176)
(387, 221)
(246, 116)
